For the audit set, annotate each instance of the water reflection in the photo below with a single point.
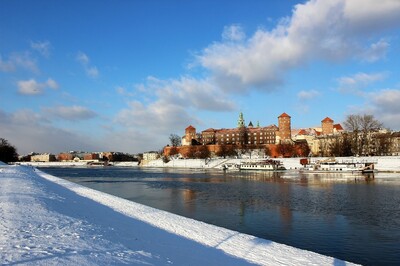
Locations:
(352, 217)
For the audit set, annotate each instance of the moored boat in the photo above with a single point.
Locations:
(332, 165)
(263, 165)
(230, 167)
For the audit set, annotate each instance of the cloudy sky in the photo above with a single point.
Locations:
(123, 76)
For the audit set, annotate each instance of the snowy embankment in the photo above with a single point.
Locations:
(46, 220)
(385, 163)
(72, 164)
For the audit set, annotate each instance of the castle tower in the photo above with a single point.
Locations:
(327, 126)
(240, 122)
(190, 133)
(284, 128)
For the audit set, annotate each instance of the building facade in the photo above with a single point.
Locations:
(284, 133)
(46, 157)
(241, 135)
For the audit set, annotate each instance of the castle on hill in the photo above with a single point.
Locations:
(256, 135)
(251, 137)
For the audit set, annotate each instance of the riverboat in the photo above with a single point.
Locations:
(263, 165)
(98, 164)
(230, 167)
(331, 165)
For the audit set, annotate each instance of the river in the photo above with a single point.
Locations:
(350, 217)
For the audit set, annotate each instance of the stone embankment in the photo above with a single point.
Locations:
(384, 163)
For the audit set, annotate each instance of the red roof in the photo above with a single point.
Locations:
(284, 115)
(338, 127)
(190, 127)
(327, 119)
(302, 132)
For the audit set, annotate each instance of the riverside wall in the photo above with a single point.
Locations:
(384, 163)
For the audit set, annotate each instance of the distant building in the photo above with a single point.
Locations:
(65, 157)
(395, 147)
(323, 140)
(91, 156)
(284, 133)
(150, 156)
(45, 157)
(190, 134)
(239, 136)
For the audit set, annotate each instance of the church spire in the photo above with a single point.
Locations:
(240, 122)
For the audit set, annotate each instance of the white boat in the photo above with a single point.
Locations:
(230, 167)
(263, 165)
(332, 165)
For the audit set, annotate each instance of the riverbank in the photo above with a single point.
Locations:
(385, 163)
(48, 220)
(75, 164)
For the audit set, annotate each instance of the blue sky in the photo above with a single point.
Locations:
(123, 76)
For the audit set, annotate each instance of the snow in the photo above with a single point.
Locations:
(385, 163)
(45, 220)
(72, 163)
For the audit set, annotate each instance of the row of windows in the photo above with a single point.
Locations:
(249, 142)
(227, 139)
(237, 134)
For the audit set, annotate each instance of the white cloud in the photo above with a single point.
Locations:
(308, 95)
(82, 58)
(189, 93)
(383, 105)
(91, 71)
(387, 100)
(71, 113)
(32, 87)
(174, 107)
(376, 51)
(42, 47)
(18, 60)
(155, 118)
(30, 132)
(318, 29)
(386, 108)
(122, 91)
(371, 15)
(233, 33)
(51, 83)
(357, 83)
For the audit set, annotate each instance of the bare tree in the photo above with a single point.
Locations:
(302, 149)
(202, 152)
(267, 150)
(383, 143)
(360, 127)
(285, 149)
(175, 140)
(173, 151)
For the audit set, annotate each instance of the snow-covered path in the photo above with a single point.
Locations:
(45, 220)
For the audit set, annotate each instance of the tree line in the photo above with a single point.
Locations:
(363, 137)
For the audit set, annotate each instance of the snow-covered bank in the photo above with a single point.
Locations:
(385, 163)
(75, 164)
(47, 220)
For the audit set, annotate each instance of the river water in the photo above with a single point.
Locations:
(350, 217)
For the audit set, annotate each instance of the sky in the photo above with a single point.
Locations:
(123, 76)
